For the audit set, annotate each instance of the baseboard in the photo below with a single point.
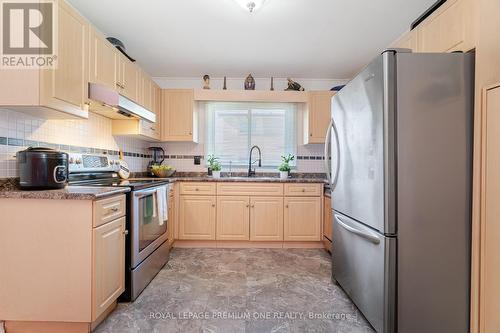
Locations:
(247, 244)
(45, 327)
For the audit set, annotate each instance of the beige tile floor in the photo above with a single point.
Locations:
(241, 290)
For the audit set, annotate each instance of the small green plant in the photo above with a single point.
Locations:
(285, 165)
(213, 163)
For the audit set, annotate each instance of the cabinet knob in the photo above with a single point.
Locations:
(213, 205)
(190, 133)
(303, 190)
(247, 206)
(286, 206)
(196, 189)
(114, 209)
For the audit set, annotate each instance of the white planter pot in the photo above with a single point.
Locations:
(216, 174)
(283, 174)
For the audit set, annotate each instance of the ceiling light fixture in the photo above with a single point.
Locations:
(251, 5)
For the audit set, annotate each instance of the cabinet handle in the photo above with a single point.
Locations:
(190, 133)
(114, 209)
(247, 206)
(286, 206)
(213, 205)
(303, 190)
(196, 189)
(125, 232)
(311, 134)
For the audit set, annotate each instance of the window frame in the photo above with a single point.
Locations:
(290, 139)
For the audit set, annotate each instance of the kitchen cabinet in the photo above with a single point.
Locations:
(102, 60)
(138, 128)
(302, 219)
(327, 223)
(178, 118)
(75, 262)
(490, 228)
(233, 217)
(54, 93)
(127, 77)
(146, 98)
(317, 116)
(197, 216)
(452, 27)
(408, 41)
(266, 218)
(108, 265)
(171, 216)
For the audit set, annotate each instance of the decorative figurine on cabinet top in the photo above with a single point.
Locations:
(249, 82)
(294, 86)
(206, 81)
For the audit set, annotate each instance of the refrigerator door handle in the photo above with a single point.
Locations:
(327, 151)
(372, 238)
(337, 145)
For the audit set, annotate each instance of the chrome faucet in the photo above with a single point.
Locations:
(250, 171)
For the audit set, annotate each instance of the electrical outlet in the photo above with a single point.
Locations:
(197, 160)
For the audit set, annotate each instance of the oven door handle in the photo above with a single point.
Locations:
(145, 193)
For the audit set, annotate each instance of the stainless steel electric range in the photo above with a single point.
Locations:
(147, 248)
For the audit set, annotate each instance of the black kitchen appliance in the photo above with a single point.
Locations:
(42, 168)
(158, 156)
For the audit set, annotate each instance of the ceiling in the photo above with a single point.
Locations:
(330, 39)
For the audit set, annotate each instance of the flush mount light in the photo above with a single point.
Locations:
(251, 5)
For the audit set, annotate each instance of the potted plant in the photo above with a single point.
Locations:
(214, 166)
(284, 167)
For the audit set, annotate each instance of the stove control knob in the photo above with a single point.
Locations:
(111, 162)
(78, 161)
(71, 160)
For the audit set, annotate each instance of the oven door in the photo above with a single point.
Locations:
(148, 228)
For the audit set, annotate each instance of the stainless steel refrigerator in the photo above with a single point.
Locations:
(400, 172)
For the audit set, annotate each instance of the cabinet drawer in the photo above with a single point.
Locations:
(303, 190)
(251, 189)
(109, 209)
(197, 188)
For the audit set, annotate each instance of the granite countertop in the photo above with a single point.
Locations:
(9, 189)
(240, 177)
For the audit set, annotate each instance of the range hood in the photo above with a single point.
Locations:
(111, 104)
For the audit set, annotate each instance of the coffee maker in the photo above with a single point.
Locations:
(158, 156)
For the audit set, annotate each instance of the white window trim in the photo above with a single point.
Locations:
(210, 132)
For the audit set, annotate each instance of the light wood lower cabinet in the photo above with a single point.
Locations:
(266, 218)
(233, 218)
(197, 217)
(109, 265)
(302, 215)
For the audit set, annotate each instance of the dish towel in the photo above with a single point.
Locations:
(162, 202)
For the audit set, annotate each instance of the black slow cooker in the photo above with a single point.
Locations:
(42, 168)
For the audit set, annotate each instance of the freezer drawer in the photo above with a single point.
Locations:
(364, 264)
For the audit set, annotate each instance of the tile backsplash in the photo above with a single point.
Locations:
(19, 131)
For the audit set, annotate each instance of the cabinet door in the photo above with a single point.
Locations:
(102, 60)
(318, 115)
(490, 228)
(197, 217)
(65, 88)
(109, 265)
(449, 29)
(130, 77)
(327, 218)
(146, 92)
(177, 115)
(233, 218)
(266, 218)
(171, 217)
(408, 41)
(302, 219)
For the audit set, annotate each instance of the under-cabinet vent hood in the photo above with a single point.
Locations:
(111, 104)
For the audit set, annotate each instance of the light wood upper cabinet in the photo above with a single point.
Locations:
(146, 98)
(233, 218)
(302, 219)
(317, 116)
(127, 77)
(102, 60)
(266, 218)
(408, 41)
(452, 27)
(108, 265)
(178, 118)
(197, 217)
